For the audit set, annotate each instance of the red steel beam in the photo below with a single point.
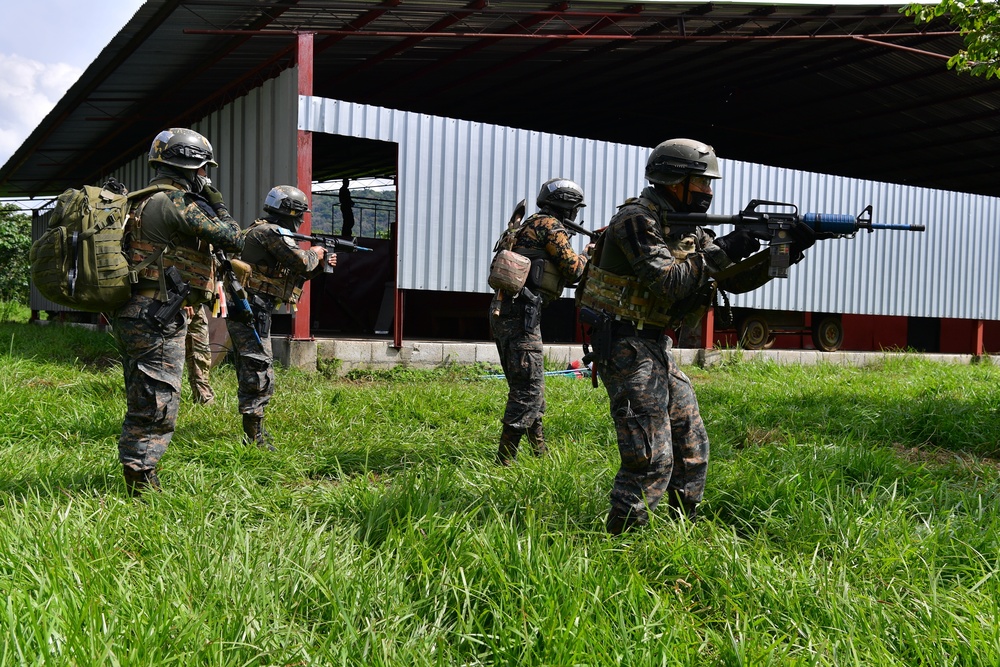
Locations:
(304, 58)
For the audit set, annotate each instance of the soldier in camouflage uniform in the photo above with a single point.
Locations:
(642, 279)
(279, 267)
(198, 355)
(515, 319)
(171, 228)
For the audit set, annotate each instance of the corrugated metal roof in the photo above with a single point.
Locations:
(785, 85)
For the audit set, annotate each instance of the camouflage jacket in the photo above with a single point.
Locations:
(637, 244)
(186, 223)
(542, 236)
(268, 247)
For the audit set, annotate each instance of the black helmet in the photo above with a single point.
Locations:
(179, 147)
(560, 193)
(286, 201)
(676, 159)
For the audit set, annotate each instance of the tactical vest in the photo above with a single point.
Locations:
(190, 255)
(279, 283)
(275, 281)
(545, 275)
(624, 297)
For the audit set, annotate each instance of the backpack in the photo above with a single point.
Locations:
(509, 270)
(79, 261)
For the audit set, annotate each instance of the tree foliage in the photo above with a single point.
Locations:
(979, 23)
(15, 242)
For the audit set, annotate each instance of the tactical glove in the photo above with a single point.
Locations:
(803, 238)
(214, 198)
(738, 244)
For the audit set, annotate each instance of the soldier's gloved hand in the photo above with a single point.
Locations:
(738, 244)
(214, 197)
(803, 238)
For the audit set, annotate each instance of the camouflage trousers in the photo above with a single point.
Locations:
(254, 368)
(198, 355)
(522, 361)
(661, 436)
(153, 362)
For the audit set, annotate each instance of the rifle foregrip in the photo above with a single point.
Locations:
(835, 223)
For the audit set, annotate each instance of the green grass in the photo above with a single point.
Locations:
(851, 518)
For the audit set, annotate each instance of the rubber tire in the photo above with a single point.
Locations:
(754, 333)
(828, 333)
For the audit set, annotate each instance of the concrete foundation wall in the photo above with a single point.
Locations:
(348, 355)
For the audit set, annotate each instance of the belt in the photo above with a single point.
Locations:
(626, 328)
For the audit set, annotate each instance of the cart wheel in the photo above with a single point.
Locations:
(754, 333)
(828, 333)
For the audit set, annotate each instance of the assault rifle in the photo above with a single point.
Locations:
(239, 307)
(332, 244)
(775, 227)
(580, 229)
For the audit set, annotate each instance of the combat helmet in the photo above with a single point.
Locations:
(181, 148)
(675, 159)
(560, 194)
(287, 203)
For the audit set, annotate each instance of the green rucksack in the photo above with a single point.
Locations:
(79, 261)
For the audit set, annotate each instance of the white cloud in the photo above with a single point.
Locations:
(28, 91)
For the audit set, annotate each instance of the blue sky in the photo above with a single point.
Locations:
(45, 45)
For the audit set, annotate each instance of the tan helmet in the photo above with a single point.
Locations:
(183, 148)
(676, 159)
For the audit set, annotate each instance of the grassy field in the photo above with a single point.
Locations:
(851, 518)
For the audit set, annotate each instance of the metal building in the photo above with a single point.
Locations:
(292, 94)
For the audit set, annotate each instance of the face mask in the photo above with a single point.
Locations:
(700, 201)
(199, 183)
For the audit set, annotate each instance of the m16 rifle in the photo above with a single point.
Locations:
(332, 244)
(778, 227)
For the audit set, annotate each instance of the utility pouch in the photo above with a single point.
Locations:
(509, 271)
(532, 309)
(165, 312)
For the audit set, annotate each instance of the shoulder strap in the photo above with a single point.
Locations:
(135, 222)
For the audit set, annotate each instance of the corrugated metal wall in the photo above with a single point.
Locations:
(459, 180)
(255, 141)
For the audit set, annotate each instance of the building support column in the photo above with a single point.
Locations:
(304, 60)
(708, 329)
(978, 347)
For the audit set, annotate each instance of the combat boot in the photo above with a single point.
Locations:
(254, 432)
(137, 481)
(536, 436)
(680, 505)
(510, 440)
